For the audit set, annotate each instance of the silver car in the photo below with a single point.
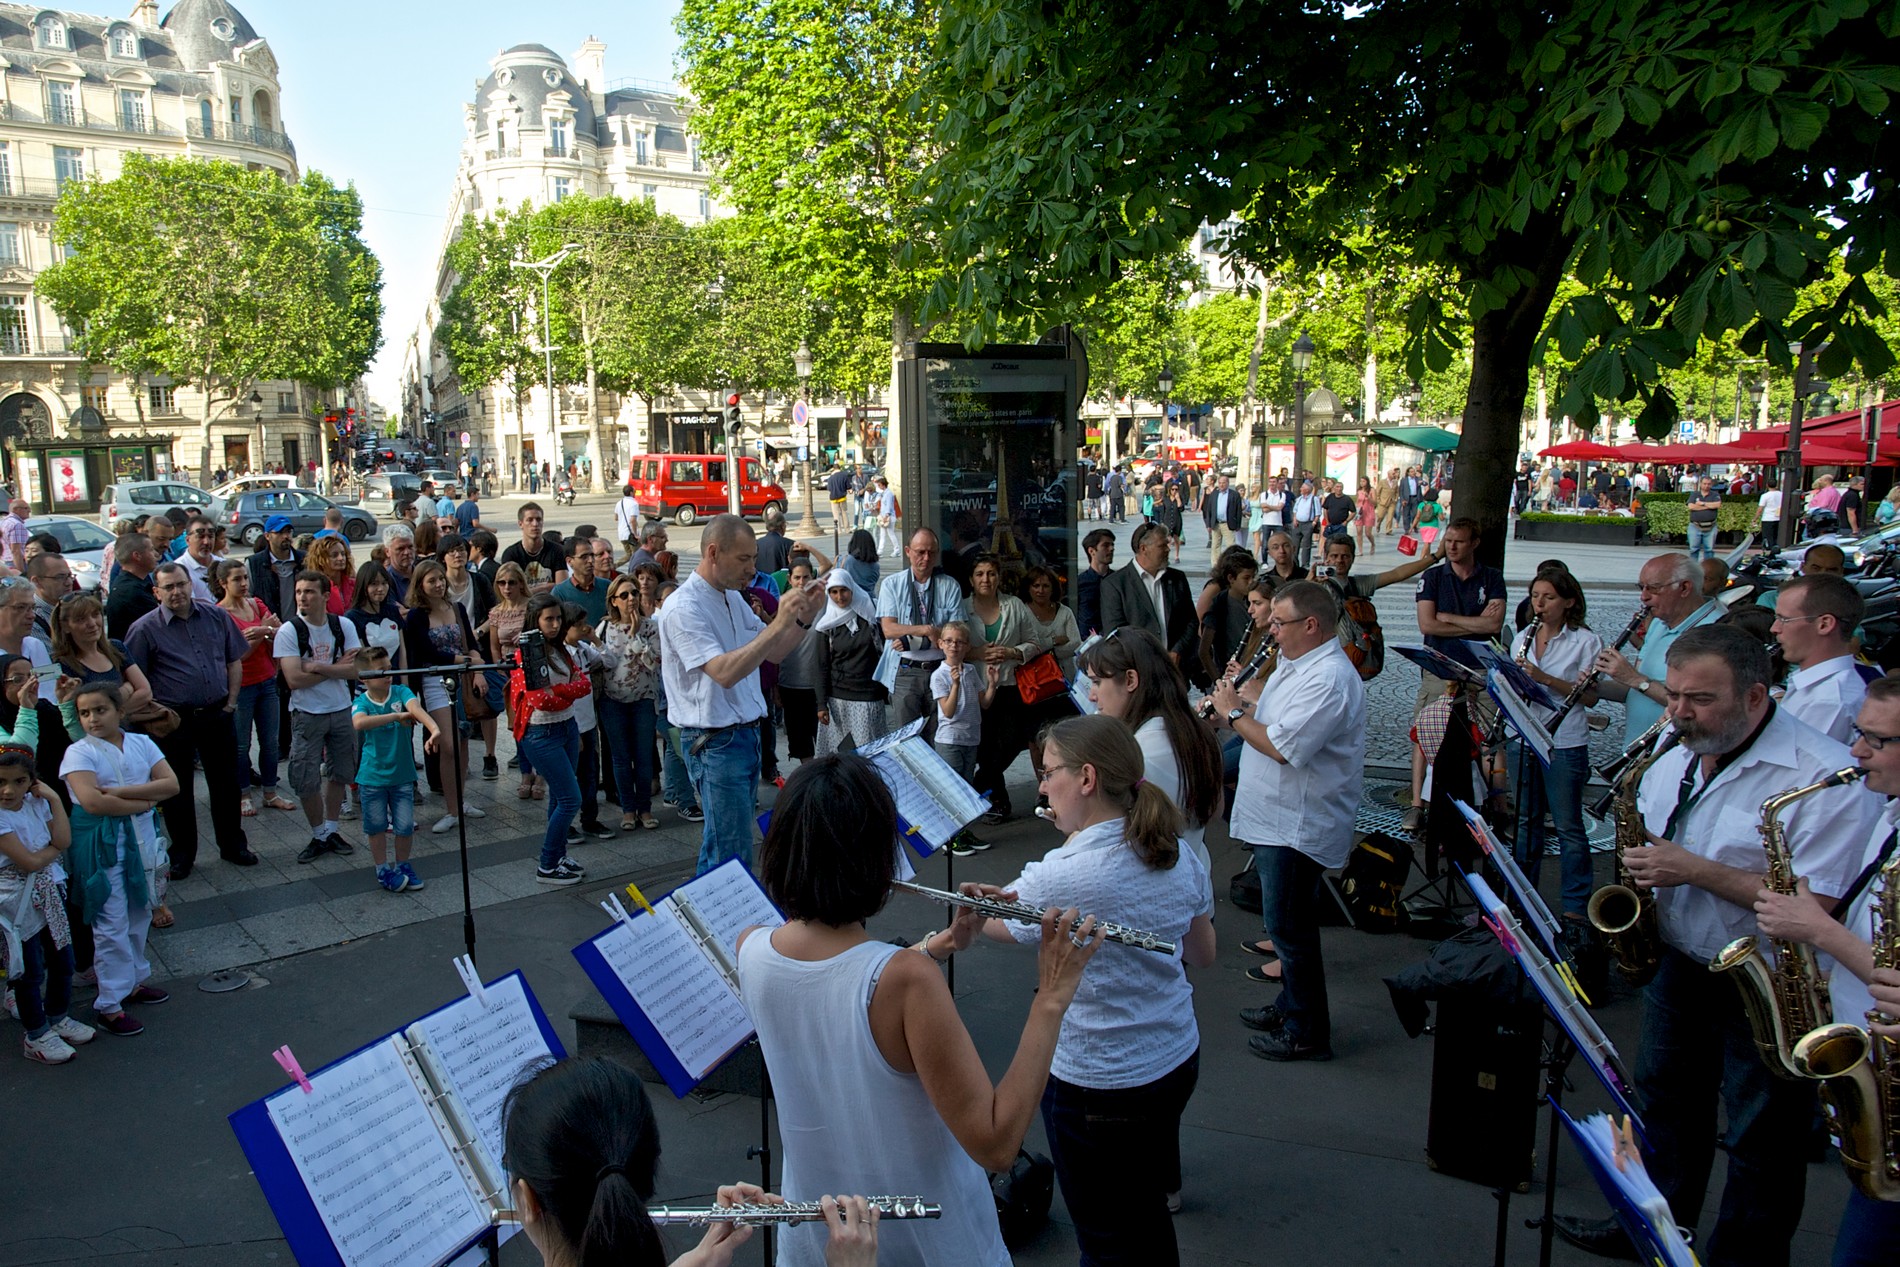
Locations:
(132, 498)
(81, 541)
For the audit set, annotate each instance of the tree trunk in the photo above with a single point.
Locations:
(1501, 342)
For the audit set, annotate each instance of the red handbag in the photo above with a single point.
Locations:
(1040, 679)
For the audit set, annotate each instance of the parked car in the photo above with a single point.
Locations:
(228, 490)
(303, 508)
(688, 485)
(153, 497)
(81, 541)
(381, 493)
(440, 478)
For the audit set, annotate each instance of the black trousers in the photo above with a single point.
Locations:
(801, 721)
(208, 734)
(1005, 734)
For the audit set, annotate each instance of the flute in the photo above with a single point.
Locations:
(745, 1214)
(1024, 913)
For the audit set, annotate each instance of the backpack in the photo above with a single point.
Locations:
(1359, 633)
(304, 647)
(1373, 882)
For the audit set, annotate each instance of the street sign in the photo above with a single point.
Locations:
(804, 454)
(799, 413)
(465, 439)
(1685, 429)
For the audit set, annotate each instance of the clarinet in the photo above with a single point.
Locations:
(1261, 654)
(1590, 679)
(745, 1214)
(1024, 913)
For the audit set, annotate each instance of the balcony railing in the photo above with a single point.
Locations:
(239, 134)
(507, 151)
(68, 115)
(15, 344)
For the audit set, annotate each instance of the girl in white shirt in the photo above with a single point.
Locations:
(34, 835)
(1557, 653)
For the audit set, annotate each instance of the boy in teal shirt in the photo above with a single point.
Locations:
(386, 774)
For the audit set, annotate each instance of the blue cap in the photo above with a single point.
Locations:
(277, 523)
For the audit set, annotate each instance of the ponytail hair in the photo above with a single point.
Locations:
(580, 1133)
(1152, 822)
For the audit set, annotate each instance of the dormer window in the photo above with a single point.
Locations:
(557, 138)
(640, 154)
(52, 31)
(551, 77)
(125, 44)
(222, 28)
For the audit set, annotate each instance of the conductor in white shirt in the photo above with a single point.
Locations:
(713, 646)
(1301, 774)
(1815, 619)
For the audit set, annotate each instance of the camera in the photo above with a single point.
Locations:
(1322, 572)
(533, 649)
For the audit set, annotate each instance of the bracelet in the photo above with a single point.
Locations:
(801, 624)
(924, 946)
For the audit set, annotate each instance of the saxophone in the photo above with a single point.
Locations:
(1859, 1070)
(1785, 1000)
(1622, 912)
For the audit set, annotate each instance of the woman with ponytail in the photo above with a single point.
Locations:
(581, 1149)
(1128, 1054)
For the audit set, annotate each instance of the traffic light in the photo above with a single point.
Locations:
(735, 417)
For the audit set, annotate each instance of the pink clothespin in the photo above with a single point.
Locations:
(288, 1063)
(1503, 933)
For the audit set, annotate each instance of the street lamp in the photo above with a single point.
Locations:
(1302, 361)
(546, 268)
(1804, 384)
(801, 361)
(1164, 382)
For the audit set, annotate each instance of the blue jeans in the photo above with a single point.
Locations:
(1560, 790)
(41, 960)
(628, 727)
(1289, 912)
(1701, 542)
(1697, 1054)
(1120, 1211)
(675, 784)
(555, 750)
(257, 706)
(724, 767)
(1870, 1231)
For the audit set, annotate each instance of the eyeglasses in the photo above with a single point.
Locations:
(1644, 587)
(1048, 770)
(1792, 620)
(1876, 742)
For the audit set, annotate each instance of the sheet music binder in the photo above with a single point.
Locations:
(289, 1196)
(710, 912)
(933, 801)
(1634, 1198)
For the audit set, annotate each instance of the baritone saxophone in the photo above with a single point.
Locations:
(1787, 999)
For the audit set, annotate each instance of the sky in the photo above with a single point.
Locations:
(373, 96)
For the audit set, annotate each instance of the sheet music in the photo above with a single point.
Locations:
(677, 988)
(383, 1180)
(929, 794)
(730, 901)
(1633, 1194)
(483, 1052)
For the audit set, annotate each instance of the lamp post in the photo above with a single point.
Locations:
(801, 361)
(1165, 383)
(1804, 383)
(1302, 361)
(546, 268)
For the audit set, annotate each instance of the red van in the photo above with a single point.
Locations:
(686, 486)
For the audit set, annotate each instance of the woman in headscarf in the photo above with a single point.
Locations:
(850, 698)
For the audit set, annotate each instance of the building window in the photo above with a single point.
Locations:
(286, 402)
(52, 32)
(69, 165)
(13, 336)
(651, 193)
(237, 112)
(561, 186)
(640, 149)
(10, 245)
(557, 138)
(61, 103)
(207, 118)
(164, 399)
(692, 148)
(124, 44)
(705, 205)
(6, 168)
(132, 110)
(94, 398)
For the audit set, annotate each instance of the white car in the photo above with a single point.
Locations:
(81, 541)
(228, 492)
(132, 498)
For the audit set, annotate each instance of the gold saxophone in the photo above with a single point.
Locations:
(1622, 912)
(1785, 1000)
(1860, 1070)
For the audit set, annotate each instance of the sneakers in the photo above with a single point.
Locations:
(514, 763)
(49, 1049)
(598, 830)
(73, 1032)
(121, 1025)
(570, 866)
(556, 874)
(391, 878)
(973, 842)
(474, 811)
(338, 845)
(409, 874)
(960, 848)
(348, 809)
(693, 814)
(490, 770)
(314, 850)
(148, 994)
(444, 825)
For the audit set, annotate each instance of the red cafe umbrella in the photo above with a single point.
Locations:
(1691, 454)
(1578, 449)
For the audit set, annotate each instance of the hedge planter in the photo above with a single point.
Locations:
(1609, 531)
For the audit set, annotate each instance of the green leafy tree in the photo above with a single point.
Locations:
(1132, 330)
(217, 277)
(1692, 164)
(488, 321)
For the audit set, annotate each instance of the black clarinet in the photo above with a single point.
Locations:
(1260, 656)
(1590, 679)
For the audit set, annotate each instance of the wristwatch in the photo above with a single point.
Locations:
(1642, 686)
(1234, 715)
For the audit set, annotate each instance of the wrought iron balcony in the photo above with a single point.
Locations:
(239, 134)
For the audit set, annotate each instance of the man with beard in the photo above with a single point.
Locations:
(1700, 804)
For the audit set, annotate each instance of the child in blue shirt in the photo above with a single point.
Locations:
(386, 772)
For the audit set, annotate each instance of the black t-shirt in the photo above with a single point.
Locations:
(1850, 500)
(539, 567)
(1339, 508)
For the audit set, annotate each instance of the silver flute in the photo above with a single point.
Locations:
(745, 1214)
(1024, 913)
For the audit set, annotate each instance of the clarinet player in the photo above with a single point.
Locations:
(1870, 1229)
(1701, 810)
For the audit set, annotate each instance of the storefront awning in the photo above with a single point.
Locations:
(1424, 439)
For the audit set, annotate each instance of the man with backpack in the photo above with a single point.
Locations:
(1359, 631)
(316, 652)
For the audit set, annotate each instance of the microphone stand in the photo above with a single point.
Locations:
(452, 676)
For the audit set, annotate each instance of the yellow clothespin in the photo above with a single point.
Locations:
(1570, 978)
(633, 891)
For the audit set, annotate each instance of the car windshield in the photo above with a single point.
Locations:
(73, 535)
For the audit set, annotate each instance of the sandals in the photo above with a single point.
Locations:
(247, 808)
(525, 791)
(162, 917)
(278, 800)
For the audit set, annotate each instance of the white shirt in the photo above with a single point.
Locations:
(1639, 482)
(627, 517)
(200, 574)
(330, 695)
(1825, 832)
(964, 727)
(118, 767)
(1570, 653)
(36, 653)
(1851, 1000)
(1827, 696)
(1133, 1015)
(1272, 506)
(698, 623)
(1314, 709)
(1163, 769)
(1770, 503)
(1151, 581)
